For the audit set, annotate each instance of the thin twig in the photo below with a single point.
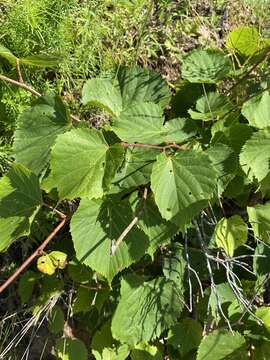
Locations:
(18, 68)
(245, 77)
(116, 243)
(29, 88)
(149, 146)
(32, 257)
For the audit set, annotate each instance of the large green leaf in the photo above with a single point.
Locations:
(70, 349)
(231, 233)
(158, 230)
(222, 345)
(135, 170)
(185, 336)
(20, 197)
(145, 309)
(79, 161)
(205, 66)
(257, 111)
(244, 40)
(181, 182)
(255, 155)
(174, 265)
(119, 90)
(259, 218)
(93, 228)
(37, 130)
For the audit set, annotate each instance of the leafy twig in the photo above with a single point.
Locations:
(28, 88)
(32, 257)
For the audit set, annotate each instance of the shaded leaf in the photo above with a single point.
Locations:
(70, 349)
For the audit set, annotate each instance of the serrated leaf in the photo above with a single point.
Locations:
(103, 93)
(119, 90)
(244, 40)
(263, 313)
(93, 228)
(255, 155)
(158, 230)
(222, 345)
(179, 130)
(156, 308)
(78, 164)
(225, 163)
(185, 336)
(70, 349)
(231, 233)
(135, 170)
(205, 66)
(181, 182)
(259, 218)
(257, 111)
(37, 130)
(7, 54)
(20, 197)
(140, 122)
(210, 107)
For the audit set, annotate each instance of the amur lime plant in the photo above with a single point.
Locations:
(164, 212)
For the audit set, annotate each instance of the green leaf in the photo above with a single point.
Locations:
(26, 285)
(140, 122)
(261, 263)
(259, 218)
(82, 301)
(186, 95)
(37, 130)
(255, 155)
(58, 258)
(257, 111)
(205, 66)
(126, 86)
(179, 130)
(211, 107)
(181, 182)
(244, 40)
(119, 353)
(263, 313)
(78, 164)
(93, 228)
(174, 265)
(222, 345)
(56, 320)
(222, 294)
(70, 349)
(103, 338)
(262, 352)
(158, 230)
(185, 336)
(7, 54)
(145, 309)
(225, 163)
(79, 273)
(144, 351)
(20, 198)
(135, 170)
(42, 60)
(103, 93)
(231, 233)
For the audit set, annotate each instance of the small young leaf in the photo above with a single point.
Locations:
(58, 258)
(45, 265)
(231, 233)
(244, 40)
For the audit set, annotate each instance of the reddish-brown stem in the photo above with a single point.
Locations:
(27, 87)
(32, 257)
(149, 146)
